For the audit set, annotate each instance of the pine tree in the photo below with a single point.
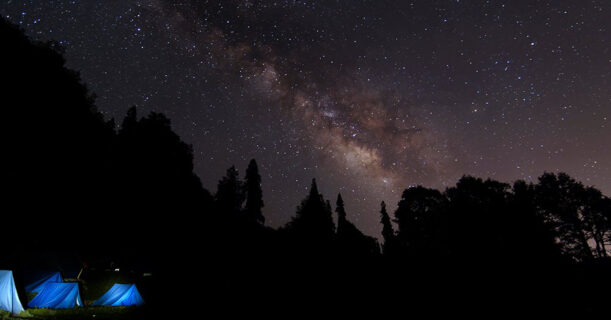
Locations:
(341, 213)
(387, 231)
(254, 194)
(230, 196)
(314, 217)
(351, 241)
(129, 122)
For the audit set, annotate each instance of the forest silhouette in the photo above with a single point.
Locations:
(75, 184)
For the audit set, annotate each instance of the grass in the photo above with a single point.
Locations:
(74, 313)
(97, 313)
(85, 313)
(5, 315)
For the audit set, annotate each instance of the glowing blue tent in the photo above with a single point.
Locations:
(42, 279)
(9, 300)
(121, 295)
(57, 295)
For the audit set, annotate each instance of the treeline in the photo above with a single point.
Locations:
(75, 184)
(555, 219)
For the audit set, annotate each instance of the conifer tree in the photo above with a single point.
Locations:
(314, 217)
(341, 213)
(387, 230)
(254, 194)
(230, 196)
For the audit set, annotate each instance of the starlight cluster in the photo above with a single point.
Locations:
(369, 97)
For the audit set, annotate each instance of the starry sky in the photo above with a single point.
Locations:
(369, 97)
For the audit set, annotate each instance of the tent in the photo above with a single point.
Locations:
(41, 280)
(57, 295)
(9, 300)
(121, 295)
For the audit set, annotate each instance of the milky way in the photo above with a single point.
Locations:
(367, 96)
(372, 134)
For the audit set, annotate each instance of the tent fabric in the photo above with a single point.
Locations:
(9, 300)
(37, 285)
(121, 295)
(57, 295)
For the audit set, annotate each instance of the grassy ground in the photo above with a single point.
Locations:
(75, 313)
(86, 312)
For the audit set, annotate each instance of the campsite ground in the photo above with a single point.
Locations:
(76, 313)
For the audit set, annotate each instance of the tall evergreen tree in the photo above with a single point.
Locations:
(314, 218)
(341, 213)
(230, 194)
(129, 122)
(254, 194)
(352, 243)
(388, 233)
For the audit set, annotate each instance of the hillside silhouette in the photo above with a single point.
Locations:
(78, 187)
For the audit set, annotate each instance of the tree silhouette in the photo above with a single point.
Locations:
(596, 214)
(341, 214)
(314, 218)
(56, 146)
(154, 162)
(230, 195)
(388, 233)
(88, 181)
(254, 194)
(351, 241)
(417, 214)
(130, 123)
(478, 213)
(561, 201)
(534, 240)
(155, 188)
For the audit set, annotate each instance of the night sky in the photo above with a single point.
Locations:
(369, 97)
